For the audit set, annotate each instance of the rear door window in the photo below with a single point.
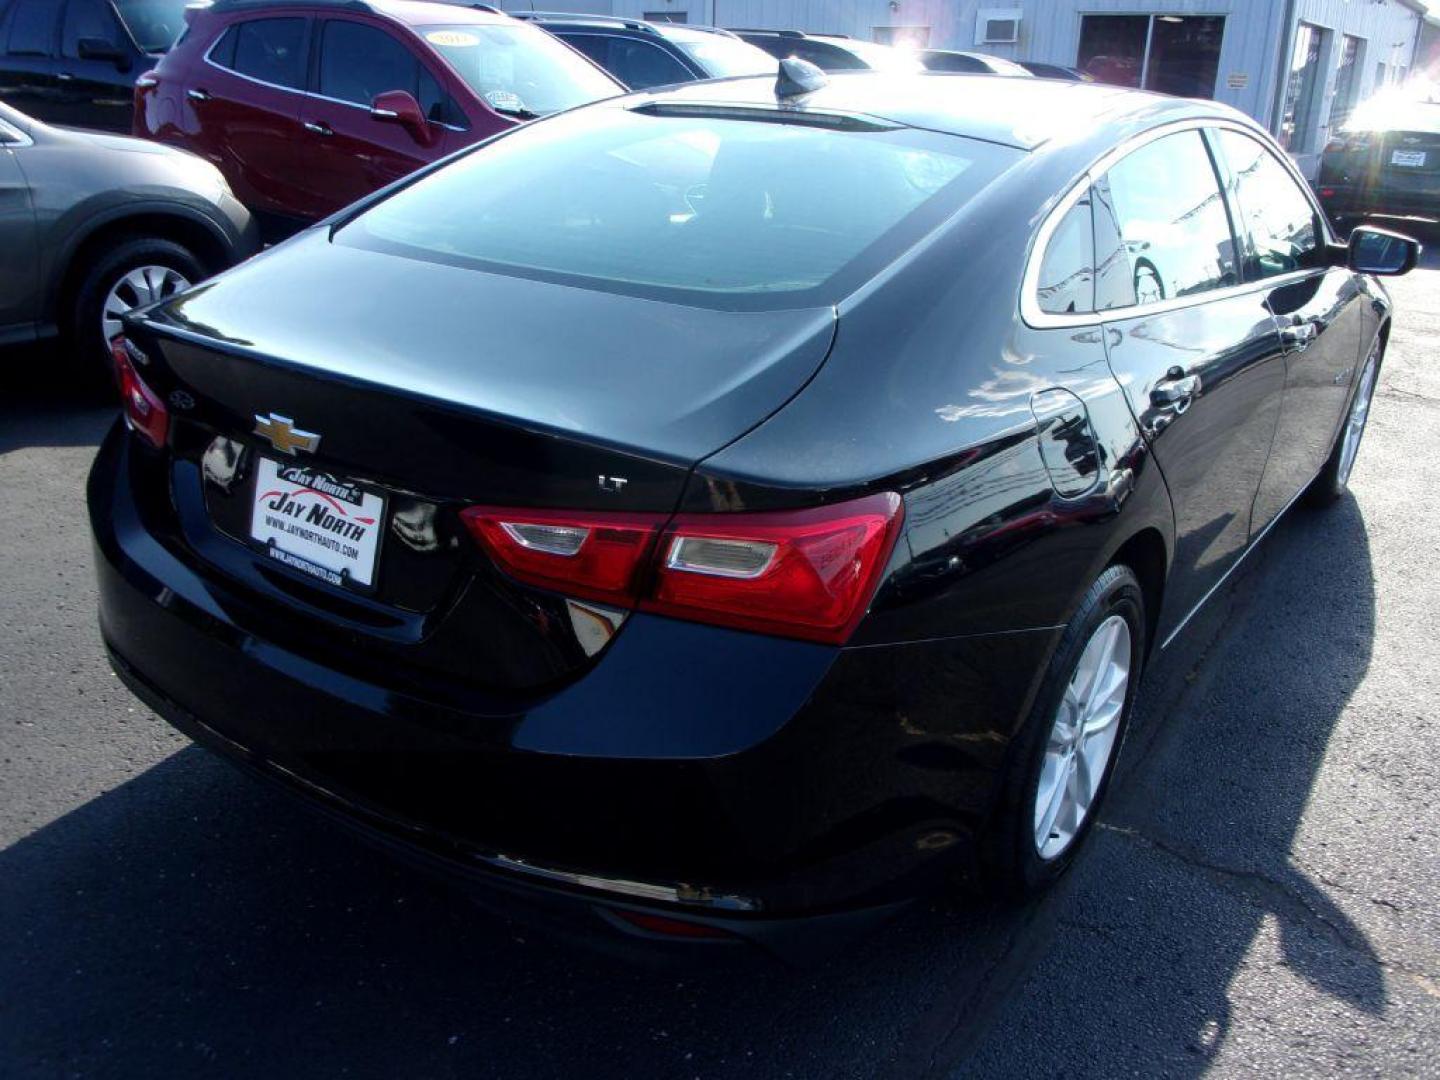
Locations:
(1281, 232)
(1162, 230)
(270, 50)
(32, 28)
(640, 65)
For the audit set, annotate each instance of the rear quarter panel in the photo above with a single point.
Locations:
(930, 391)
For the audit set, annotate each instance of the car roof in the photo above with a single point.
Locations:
(564, 20)
(1023, 113)
(408, 12)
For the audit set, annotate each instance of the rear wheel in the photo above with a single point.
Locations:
(131, 273)
(1066, 750)
(1334, 478)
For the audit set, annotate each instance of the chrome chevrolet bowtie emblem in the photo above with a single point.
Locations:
(284, 435)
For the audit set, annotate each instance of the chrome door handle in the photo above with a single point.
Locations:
(198, 95)
(1176, 391)
(1298, 338)
(64, 76)
(319, 129)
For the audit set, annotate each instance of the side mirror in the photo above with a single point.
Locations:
(399, 107)
(1380, 251)
(100, 49)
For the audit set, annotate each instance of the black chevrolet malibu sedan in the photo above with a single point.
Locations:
(722, 512)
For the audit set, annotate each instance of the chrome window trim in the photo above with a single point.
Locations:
(290, 89)
(1037, 319)
(13, 137)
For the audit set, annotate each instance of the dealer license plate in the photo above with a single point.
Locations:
(1411, 159)
(321, 524)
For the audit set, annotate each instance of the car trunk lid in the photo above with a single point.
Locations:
(401, 392)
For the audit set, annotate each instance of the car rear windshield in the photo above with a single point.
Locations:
(520, 69)
(720, 212)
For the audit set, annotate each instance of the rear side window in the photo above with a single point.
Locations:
(1280, 231)
(1067, 272)
(32, 28)
(736, 214)
(1162, 231)
(640, 65)
(271, 50)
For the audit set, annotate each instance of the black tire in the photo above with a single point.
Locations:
(83, 327)
(1334, 480)
(1014, 864)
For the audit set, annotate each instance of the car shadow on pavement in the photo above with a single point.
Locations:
(50, 401)
(1197, 866)
(189, 922)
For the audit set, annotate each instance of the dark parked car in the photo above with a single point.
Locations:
(834, 52)
(637, 519)
(644, 54)
(75, 62)
(306, 106)
(1385, 162)
(92, 225)
(1054, 71)
(969, 62)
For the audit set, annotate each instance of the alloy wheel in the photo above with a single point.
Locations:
(1082, 737)
(140, 286)
(1359, 413)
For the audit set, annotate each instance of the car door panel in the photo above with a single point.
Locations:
(28, 36)
(1199, 357)
(18, 275)
(1318, 310)
(94, 93)
(1212, 452)
(1320, 319)
(247, 125)
(348, 153)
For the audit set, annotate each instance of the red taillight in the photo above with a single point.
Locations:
(807, 574)
(145, 413)
(593, 556)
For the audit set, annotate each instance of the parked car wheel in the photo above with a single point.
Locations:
(1334, 478)
(129, 274)
(1070, 742)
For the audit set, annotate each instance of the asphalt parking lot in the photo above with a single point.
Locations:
(1263, 895)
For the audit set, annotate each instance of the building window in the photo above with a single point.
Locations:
(667, 16)
(1302, 90)
(1169, 54)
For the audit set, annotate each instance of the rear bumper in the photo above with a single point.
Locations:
(1354, 201)
(770, 787)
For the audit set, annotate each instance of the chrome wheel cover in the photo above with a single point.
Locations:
(1082, 737)
(1359, 413)
(141, 286)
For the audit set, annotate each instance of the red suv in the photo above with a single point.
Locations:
(306, 105)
